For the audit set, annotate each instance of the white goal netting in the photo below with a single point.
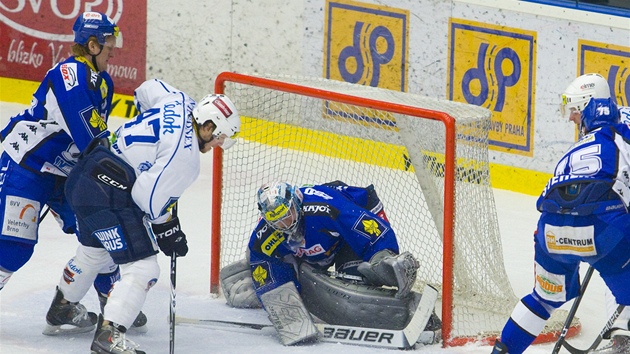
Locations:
(287, 134)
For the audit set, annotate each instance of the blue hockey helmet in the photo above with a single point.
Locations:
(98, 25)
(599, 112)
(280, 204)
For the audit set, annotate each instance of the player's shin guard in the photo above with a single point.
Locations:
(526, 321)
(126, 299)
(81, 270)
(103, 284)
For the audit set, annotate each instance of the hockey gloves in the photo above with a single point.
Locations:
(170, 238)
(388, 268)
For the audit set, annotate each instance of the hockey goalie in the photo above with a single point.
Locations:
(302, 233)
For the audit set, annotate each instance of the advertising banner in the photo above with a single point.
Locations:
(495, 67)
(36, 35)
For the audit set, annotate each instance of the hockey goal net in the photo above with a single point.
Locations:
(427, 158)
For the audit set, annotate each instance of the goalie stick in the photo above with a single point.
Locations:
(600, 337)
(400, 339)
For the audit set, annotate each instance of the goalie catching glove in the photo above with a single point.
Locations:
(388, 268)
(170, 238)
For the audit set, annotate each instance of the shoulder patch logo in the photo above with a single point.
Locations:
(372, 228)
(96, 121)
(69, 75)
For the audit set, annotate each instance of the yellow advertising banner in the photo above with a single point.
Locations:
(366, 44)
(610, 61)
(495, 67)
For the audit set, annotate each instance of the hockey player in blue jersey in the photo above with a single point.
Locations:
(122, 191)
(584, 218)
(574, 98)
(41, 144)
(322, 226)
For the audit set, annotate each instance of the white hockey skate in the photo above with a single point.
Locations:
(619, 343)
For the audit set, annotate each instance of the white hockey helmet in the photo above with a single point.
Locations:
(222, 112)
(581, 90)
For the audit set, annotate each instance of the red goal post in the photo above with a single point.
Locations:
(427, 158)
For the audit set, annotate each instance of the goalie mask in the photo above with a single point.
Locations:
(95, 24)
(280, 204)
(221, 111)
(579, 92)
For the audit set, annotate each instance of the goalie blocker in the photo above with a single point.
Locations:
(353, 313)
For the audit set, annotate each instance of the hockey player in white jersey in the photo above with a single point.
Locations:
(122, 191)
(574, 98)
(70, 107)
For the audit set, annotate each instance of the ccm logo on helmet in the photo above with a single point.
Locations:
(218, 102)
(109, 181)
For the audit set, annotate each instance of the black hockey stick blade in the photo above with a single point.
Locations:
(599, 338)
(221, 324)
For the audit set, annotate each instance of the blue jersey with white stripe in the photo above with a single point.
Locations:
(68, 110)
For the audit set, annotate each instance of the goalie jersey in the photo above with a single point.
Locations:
(161, 146)
(337, 228)
(68, 110)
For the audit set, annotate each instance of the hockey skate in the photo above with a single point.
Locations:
(619, 343)
(499, 348)
(139, 325)
(68, 318)
(110, 339)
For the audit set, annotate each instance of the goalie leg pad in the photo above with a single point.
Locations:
(237, 286)
(81, 271)
(288, 315)
(339, 302)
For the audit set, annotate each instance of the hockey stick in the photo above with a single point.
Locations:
(221, 324)
(574, 307)
(599, 338)
(173, 282)
(44, 214)
(404, 338)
